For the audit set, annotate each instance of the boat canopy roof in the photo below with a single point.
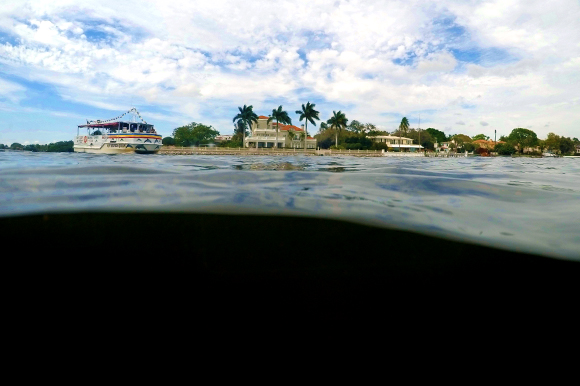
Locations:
(113, 124)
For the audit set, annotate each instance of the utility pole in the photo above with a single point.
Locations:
(495, 137)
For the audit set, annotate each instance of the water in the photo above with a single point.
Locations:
(520, 204)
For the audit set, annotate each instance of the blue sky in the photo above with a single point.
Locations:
(462, 66)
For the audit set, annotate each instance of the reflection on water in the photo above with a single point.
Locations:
(524, 204)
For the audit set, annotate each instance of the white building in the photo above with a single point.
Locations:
(397, 143)
(220, 138)
(264, 135)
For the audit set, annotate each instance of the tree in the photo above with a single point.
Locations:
(356, 127)
(504, 149)
(194, 134)
(247, 116)
(369, 128)
(337, 122)
(61, 147)
(280, 116)
(403, 127)
(461, 139)
(566, 145)
(308, 114)
(522, 138)
(469, 147)
(437, 134)
(168, 141)
(291, 135)
(240, 130)
(300, 136)
(552, 142)
(16, 146)
(480, 136)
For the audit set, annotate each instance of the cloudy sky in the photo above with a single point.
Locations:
(464, 66)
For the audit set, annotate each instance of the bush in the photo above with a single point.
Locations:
(482, 151)
(379, 146)
(325, 143)
(504, 149)
(469, 147)
(168, 141)
(339, 147)
(230, 143)
(353, 146)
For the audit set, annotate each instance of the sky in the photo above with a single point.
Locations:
(465, 66)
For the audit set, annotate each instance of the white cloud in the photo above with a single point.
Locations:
(367, 58)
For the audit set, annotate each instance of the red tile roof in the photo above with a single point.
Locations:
(262, 117)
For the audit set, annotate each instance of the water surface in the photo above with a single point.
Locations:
(522, 204)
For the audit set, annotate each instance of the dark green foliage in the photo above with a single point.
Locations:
(480, 136)
(97, 132)
(504, 149)
(461, 139)
(522, 138)
(436, 134)
(168, 141)
(32, 148)
(232, 143)
(566, 145)
(194, 134)
(240, 131)
(61, 147)
(469, 147)
(404, 126)
(379, 146)
(358, 142)
(428, 145)
(324, 143)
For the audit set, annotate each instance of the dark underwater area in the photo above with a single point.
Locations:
(185, 270)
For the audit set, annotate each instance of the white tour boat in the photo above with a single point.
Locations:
(116, 136)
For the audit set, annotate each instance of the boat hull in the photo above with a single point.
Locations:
(118, 143)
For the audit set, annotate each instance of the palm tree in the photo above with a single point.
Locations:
(280, 116)
(247, 116)
(338, 121)
(404, 126)
(300, 137)
(308, 114)
(291, 135)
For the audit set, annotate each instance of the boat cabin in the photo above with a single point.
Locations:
(117, 127)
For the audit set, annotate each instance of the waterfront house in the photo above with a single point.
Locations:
(397, 143)
(444, 146)
(264, 135)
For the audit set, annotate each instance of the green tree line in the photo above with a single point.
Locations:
(61, 146)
